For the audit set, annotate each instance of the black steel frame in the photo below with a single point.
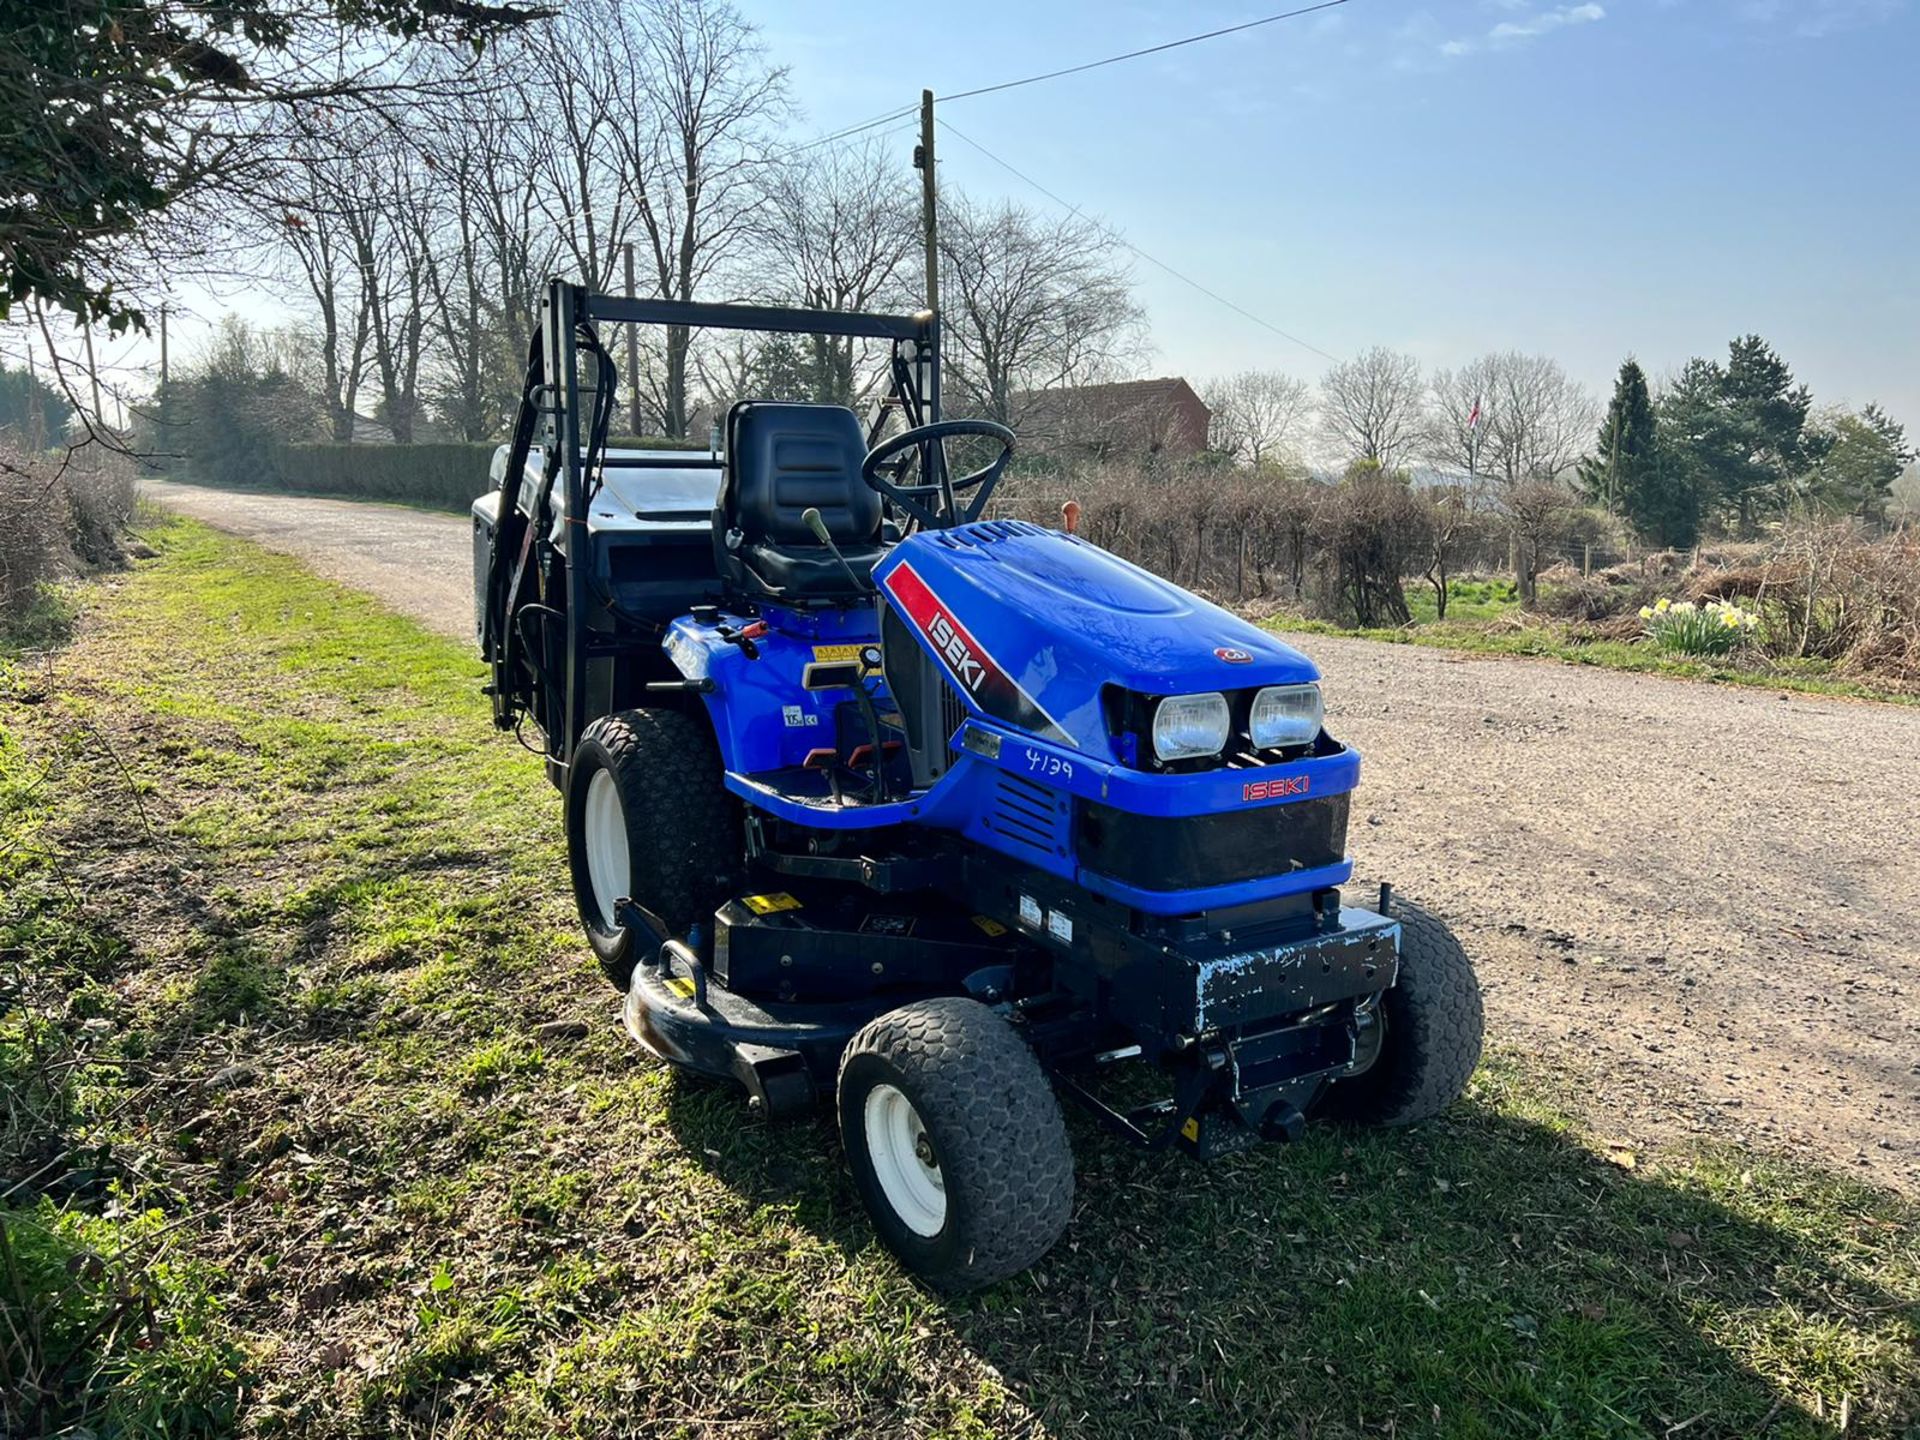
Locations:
(569, 315)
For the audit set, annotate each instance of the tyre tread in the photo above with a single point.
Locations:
(1011, 1184)
(1435, 1027)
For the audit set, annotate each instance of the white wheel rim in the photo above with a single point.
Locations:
(904, 1162)
(608, 867)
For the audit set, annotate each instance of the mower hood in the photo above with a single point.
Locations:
(1031, 624)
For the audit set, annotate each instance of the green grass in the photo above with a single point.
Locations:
(46, 621)
(269, 1054)
(1467, 600)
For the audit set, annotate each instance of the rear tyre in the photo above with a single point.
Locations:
(1432, 1027)
(649, 819)
(956, 1142)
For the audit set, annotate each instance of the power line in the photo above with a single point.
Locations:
(1136, 54)
(1129, 245)
(850, 131)
(877, 120)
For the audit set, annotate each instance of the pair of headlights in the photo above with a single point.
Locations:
(1187, 727)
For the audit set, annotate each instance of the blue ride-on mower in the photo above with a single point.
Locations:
(872, 798)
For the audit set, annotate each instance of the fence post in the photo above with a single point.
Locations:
(1586, 558)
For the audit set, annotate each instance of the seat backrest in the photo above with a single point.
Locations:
(783, 458)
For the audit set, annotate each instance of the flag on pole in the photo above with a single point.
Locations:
(1473, 415)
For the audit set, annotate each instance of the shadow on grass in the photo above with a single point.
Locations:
(1485, 1275)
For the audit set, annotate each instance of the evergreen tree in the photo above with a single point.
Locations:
(31, 409)
(1767, 416)
(1864, 455)
(1626, 474)
(781, 370)
(1738, 434)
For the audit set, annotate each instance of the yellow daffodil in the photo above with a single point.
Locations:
(1662, 605)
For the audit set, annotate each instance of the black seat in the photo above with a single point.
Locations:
(783, 459)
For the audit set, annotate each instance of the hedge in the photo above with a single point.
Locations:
(446, 476)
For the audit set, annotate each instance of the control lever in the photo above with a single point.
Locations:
(743, 637)
(812, 519)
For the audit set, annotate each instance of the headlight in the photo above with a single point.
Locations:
(1285, 715)
(1188, 726)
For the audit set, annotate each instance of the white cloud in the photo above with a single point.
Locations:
(1530, 23)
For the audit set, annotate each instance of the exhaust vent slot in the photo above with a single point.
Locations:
(1027, 814)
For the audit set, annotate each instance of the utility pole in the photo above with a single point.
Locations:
(1613, 466)
(36, 413)
(929, 211)
(633, 356)
(93, 373)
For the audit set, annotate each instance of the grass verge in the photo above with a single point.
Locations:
(286, 1151)
(1543, 639)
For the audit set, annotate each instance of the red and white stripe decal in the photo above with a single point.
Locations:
(973, 669)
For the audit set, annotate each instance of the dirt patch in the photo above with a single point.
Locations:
(1704, 898)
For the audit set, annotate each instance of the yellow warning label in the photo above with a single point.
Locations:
(767, 904)
(989, 925)
(680, 986)
(828, 653)
(1192, 1129)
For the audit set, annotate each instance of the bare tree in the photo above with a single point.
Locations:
(1538, 421)
(1538, 513)
(1373, 407)
(487, 254)
(1456, 434)
(836, 230)
(390, 221)
(303, 211)
(693, 99)
(1259, 416)
(577, 62)
(1028, 302)
(1456, 534)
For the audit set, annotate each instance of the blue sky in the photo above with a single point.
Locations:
(1586, 179)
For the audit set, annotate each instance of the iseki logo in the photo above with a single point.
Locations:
(1278, 789)
(948, 642)
(1232, 655)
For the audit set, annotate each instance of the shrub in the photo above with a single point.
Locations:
(100, 494)
(33, 551)
(1716, 628)
(58, 519)
(1373, 530)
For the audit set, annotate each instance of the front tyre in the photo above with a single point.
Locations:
(648, 818)
(956, 1142)
(1432, 1027)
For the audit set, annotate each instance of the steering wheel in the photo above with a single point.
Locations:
(911, 497)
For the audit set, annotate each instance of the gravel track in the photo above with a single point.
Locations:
(1700, 900)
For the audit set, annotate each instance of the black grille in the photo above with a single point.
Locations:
(1157, 853)
(953, 714)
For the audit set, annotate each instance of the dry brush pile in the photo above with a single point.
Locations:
(1272, 538)
(59, 518)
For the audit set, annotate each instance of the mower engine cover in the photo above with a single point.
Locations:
(1060, 653)
(1033, 625)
